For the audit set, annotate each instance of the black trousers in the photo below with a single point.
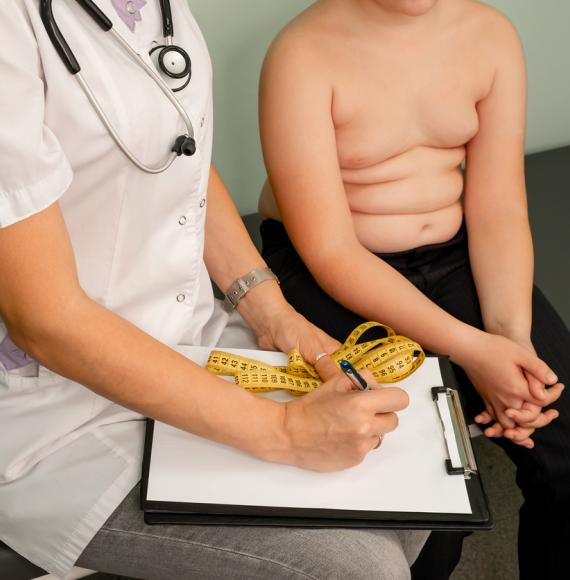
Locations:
(443, 273)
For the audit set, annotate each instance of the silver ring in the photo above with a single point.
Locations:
(320, 356)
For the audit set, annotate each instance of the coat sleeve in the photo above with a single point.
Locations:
(34, 170)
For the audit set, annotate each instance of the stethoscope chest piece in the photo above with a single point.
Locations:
(174, 63)
(170, 62)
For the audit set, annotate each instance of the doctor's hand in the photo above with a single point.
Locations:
(336, 426)
(286, 329)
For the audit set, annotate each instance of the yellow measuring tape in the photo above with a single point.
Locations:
(390, 359)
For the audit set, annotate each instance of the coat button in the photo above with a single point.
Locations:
(181, 298)
(183, 220)
(203, 202)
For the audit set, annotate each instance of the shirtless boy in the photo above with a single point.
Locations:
(369, 108)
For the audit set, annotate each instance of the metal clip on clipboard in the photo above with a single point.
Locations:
(461, 459)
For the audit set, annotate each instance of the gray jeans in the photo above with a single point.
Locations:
(127, 546)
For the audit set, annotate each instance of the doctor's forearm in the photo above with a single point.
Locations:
(102, 351)
(229, 252)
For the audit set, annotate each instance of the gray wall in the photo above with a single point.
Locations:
(239, 31)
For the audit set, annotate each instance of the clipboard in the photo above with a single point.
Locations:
(208, 494)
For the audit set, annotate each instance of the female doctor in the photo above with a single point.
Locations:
(106, 253)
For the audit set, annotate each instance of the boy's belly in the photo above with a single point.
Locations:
(382, 233)
(409, 200)
(406, 201)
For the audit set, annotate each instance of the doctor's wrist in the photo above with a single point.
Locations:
(263, 307)
(274, 443)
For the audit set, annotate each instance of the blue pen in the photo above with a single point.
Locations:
(353, 375)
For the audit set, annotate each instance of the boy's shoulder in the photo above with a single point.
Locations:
(488, 23)
(305, 38)
(317, 33)
(323, 21)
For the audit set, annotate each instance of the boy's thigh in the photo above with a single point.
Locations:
(551, 339)
(129, 547)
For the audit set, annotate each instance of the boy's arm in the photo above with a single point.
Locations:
(500, 244)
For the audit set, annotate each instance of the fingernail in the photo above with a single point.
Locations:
(551, 378)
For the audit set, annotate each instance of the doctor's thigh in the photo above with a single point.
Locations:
(129, 547)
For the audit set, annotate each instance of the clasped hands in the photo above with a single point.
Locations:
(516, 387)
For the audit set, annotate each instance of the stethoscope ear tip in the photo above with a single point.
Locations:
(184, 145)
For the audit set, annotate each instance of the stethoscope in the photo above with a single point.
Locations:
(171, 60)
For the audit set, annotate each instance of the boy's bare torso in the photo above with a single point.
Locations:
(404, 109)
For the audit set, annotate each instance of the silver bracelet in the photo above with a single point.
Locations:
(244, 284)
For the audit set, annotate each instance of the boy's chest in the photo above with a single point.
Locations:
(386, 105)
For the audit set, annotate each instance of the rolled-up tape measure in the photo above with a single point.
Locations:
(390, 359)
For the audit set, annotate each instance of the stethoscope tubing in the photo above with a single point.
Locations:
(73, 66)
(164, 88)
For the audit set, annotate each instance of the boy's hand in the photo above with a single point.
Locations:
(529, 415)
(498, 368)
(528, 418)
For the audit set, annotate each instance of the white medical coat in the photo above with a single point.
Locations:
(67, 456)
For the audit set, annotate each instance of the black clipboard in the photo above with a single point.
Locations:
(157, 512)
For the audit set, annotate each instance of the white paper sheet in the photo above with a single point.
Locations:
(407, 474)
